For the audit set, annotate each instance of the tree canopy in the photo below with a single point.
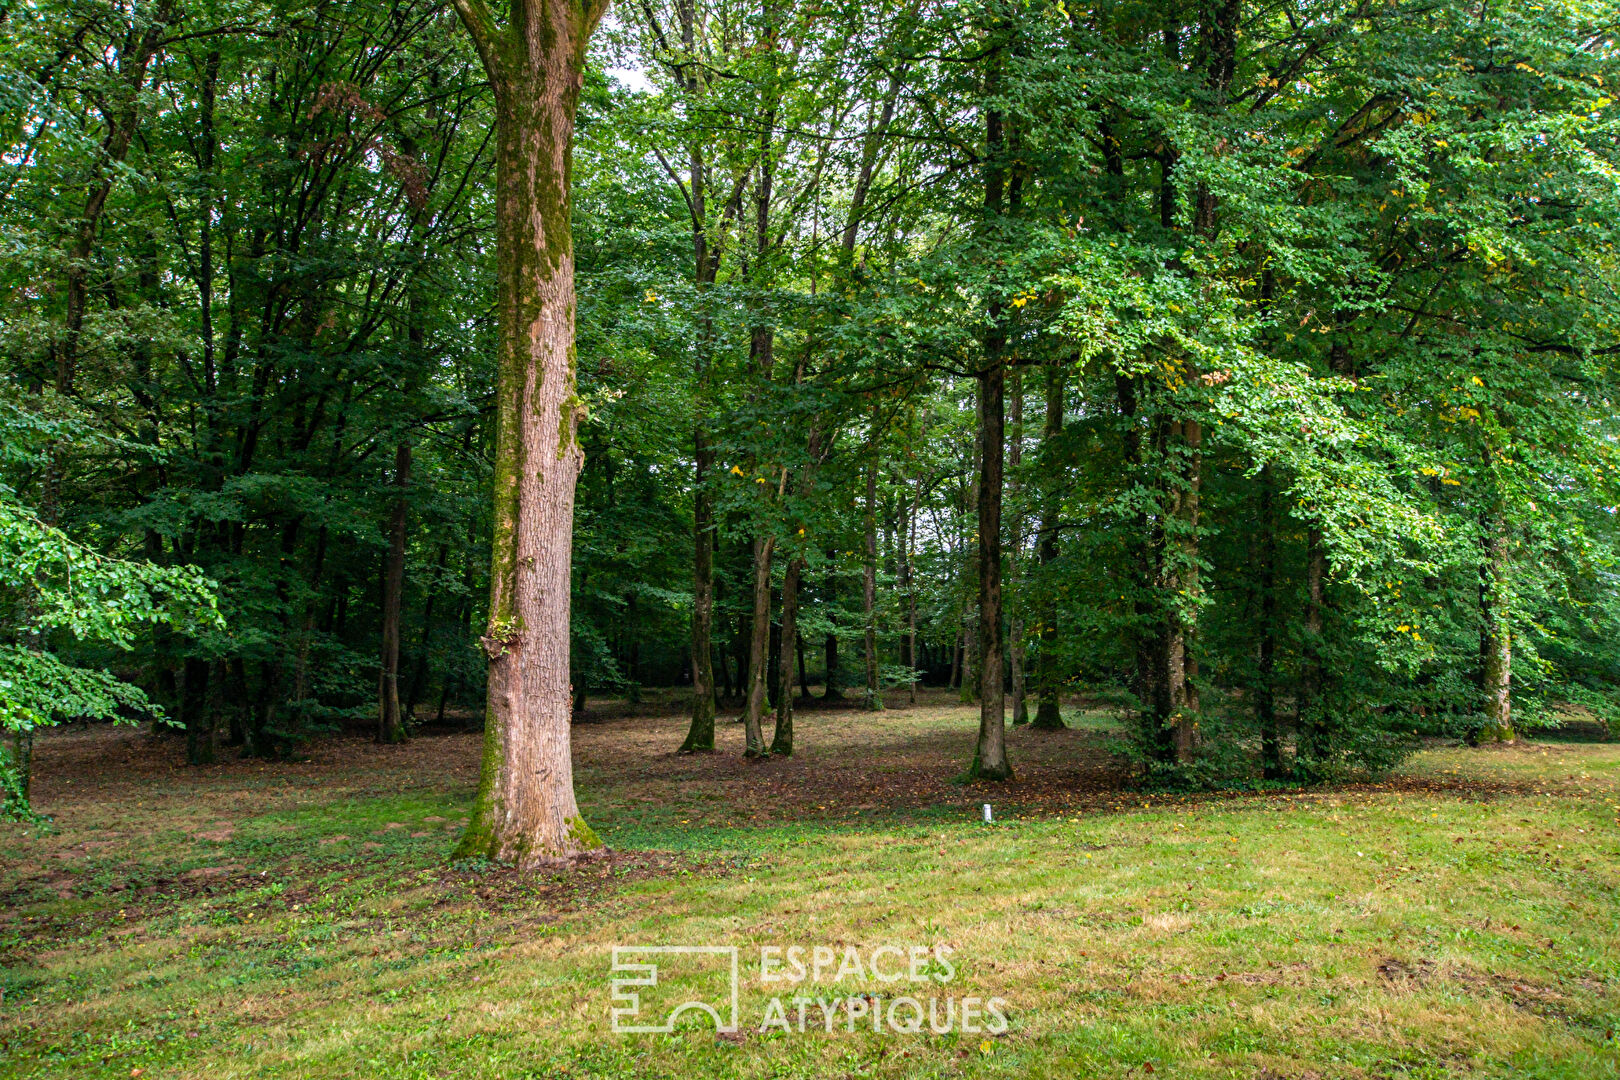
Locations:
(1248, 366)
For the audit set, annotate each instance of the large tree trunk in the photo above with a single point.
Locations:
(525, 811)
(390, 723)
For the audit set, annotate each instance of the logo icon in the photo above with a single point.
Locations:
(697, 970)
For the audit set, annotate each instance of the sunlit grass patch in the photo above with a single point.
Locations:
(1403, 930)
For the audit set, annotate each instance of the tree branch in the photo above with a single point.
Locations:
(480, 24)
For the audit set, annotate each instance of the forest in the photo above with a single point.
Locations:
(1215, 395)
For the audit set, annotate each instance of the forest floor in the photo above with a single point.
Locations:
(302, 919)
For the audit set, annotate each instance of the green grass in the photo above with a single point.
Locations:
(1461, 921)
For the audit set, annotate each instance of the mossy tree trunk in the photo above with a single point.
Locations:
(525, 811)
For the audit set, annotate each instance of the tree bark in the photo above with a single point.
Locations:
(424, 647)
(1495, 635)
(990, 755)
(1182, 581)
(759, 644)
(201, 743)
(705, 267)
(1015, 458)
(835, 677)
(1265, 689)
(872, 699)
(390, 722)
(525, 812)
(791, 648)
(907, 540)
(1049, 679)
(1313, 739)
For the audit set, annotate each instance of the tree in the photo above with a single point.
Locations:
(525, 812)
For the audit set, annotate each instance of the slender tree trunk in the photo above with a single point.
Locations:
(1148, 683)
(968, 679)
(700, 735)
(424, 646)
(791, 647)
(835, 678)
(907, 542)
(633, 649)
(1049, 679)
(1265, 690)
(525, 812)
(762, 352)
(804, 671)
(872, 699)
(990, 755)
(1313, 739)
(739, 651)
(1314, 716)
(759, 645)
(705, 262)
(390, 722)
(1015, 458)
(1496, 638)
(201, 745)
(728, 688)
(1182, 582)
(952, 681)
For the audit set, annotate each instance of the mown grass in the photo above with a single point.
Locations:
(1461, 921)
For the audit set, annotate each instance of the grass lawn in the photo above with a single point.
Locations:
(301, 919)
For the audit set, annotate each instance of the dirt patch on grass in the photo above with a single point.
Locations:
(849, 764)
